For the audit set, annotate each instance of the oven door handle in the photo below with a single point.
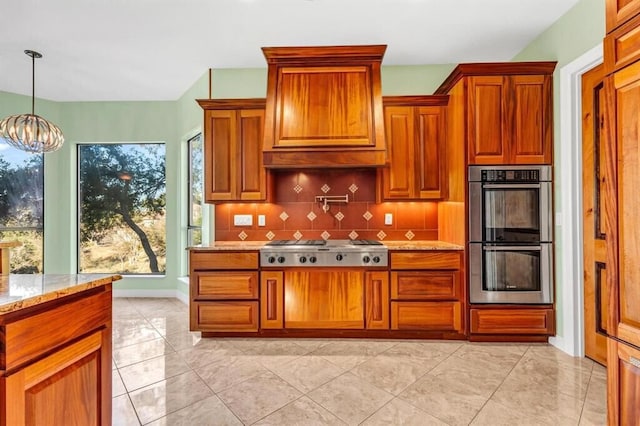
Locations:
(511, 248)
(511, 186)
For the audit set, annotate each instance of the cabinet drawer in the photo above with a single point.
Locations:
(225, 285)
(512, 321)
(425, 260)
(225, 316)
(622, 46)
(425, 285)
(203, 260)
(431, 316)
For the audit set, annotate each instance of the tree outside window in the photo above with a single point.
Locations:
(121, 203)
(196, 190)
(21, 207)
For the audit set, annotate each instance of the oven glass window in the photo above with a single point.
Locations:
(506, 270)
(511, 215)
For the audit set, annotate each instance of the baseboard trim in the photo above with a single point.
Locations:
(176, 294)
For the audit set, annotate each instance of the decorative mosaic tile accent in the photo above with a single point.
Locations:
(325, 235)
(284, 216)
(353, 235)
(270, 235)
(409, 235)
(243, 235)
(297, 235)
(381, 235)
(311, 216)
(367, 215)
(339, 216)
(325, 188)
(298, 188)
(353, 188)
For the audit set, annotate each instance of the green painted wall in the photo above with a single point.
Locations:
(579, 30)
(413, 80)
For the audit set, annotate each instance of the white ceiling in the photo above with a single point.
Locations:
(101, 50)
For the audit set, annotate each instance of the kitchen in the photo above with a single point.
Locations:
(58, 261)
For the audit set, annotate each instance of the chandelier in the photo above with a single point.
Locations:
(30, 132)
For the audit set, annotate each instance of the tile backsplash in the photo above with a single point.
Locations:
(295, 213)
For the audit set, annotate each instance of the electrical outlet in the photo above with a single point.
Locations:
(388, 219)
(242, 220)
(262, 220)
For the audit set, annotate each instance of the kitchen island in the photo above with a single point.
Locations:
(55, 349)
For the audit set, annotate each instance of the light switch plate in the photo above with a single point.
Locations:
(262, 220)
(388, 219)
(242, 220)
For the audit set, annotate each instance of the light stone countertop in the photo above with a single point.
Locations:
(392, 245)
(20, 291)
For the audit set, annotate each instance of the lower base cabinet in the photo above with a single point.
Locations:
(623, 382)
(226, 316)
(532, 323)
(430, 316)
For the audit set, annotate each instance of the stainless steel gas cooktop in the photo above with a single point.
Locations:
(319, 253)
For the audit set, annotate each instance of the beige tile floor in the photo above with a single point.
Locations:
(165, 375)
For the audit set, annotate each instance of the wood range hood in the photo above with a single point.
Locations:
(324, 107)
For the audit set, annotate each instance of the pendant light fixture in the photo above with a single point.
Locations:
(30, 132)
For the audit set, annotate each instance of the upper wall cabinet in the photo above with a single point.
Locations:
(620, 11)
(509, 117)
(415, 131)
(324, 107)
(233, 133)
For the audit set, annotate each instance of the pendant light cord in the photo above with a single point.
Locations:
(33, 84)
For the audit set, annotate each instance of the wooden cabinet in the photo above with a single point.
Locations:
(510, 119)
(415, 129)
(623, 384)
(512, 320)
(620, 11)
(376, 293)
(324, 107)
(503, 112)
(56, 361)
(427, 291)
(272, 300)
(233, 133)
(224, 290)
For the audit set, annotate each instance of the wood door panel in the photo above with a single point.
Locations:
(220, 155)
(487, 118)
(226, 285)
(431, 153)
(530, 137)
(251, 172)
(377, 300)
(623, 384)
(424, 260)
(618, 12)
(399, 175)
(271, 299)
(425, 285)
(627, 92)
(324, 299)
(433, 316)
(313, 111)
(512, 321)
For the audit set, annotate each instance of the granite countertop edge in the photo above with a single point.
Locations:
(41, 288)
(391, 245)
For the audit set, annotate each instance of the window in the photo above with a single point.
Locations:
(21, 207)
(196, 191)
(121, 208)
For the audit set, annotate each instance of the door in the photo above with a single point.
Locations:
(594, 235)
(487, 121)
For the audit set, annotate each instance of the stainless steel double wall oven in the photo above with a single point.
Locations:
(510, 234)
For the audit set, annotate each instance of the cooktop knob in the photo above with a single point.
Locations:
(271, 259)
(313, 259)
(281, 259)
(303, 259)
(376, 259)
(366, 259)
(339, 257)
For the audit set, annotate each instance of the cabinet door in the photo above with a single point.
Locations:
(487, 118)
(431, 316)
(625, 279)
(271, 299)
(377, 300)
(68, 381)
(513, 321)
(529, 139)
(399, 176)
(620, 11)
(430, 155)
(220, 159)
(251, 173)
(623, 383)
